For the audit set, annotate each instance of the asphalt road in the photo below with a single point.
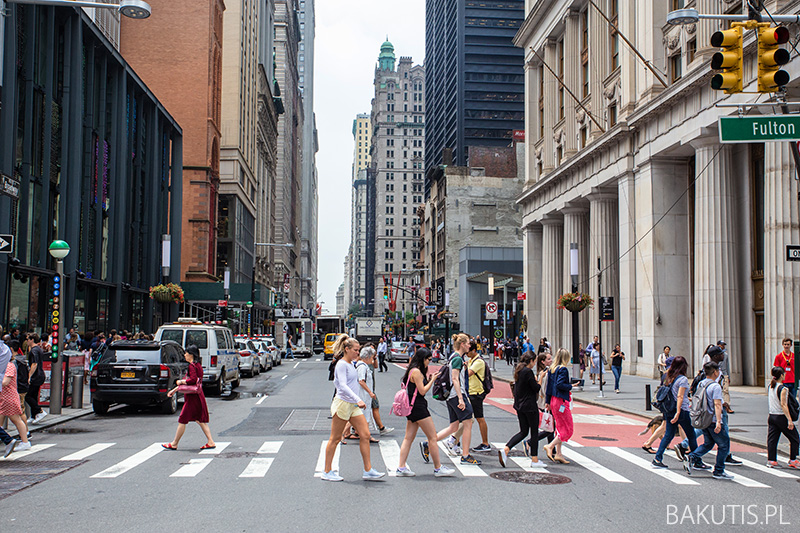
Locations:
(110, 474)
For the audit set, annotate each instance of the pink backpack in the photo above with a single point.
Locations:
(401, 406)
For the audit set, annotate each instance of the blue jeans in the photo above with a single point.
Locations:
(617, 370)
(5, 437)
(685, 422)
(721, 439)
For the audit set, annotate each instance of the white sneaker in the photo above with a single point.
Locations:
(444, 472)
(450, 444)
(405, 472)
(372, 475)
(538, 464)
(457, 449)
(332, 476)
(386, 430)
(22, 446)
(503, 457)
(38, 418)
(10, 447)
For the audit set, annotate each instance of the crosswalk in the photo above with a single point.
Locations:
(255, 460)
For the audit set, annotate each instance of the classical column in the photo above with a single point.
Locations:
(550, 106)
(576, 230)
(532, 278)
(707, 27)
(627, 309)
(598, 65)
(604, 230)
(531, 120)
(781, 288)
(552, 236)
(716, 291)
(572, 40)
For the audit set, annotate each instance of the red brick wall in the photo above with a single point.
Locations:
(498, 162)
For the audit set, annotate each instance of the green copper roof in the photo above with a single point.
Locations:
(387, 49)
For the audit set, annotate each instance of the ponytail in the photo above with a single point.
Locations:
(777, 373)
(341, 343)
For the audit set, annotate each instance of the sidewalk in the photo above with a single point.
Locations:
(67, 414)
(748, 424)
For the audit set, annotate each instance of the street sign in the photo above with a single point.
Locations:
(6, 244)
(522, 296)
(222, 303)
(9, 186)
(498, 334)
(607, 308)
(792, 252)
(449, 315)
(491, 310)
(430, 308)
(759, 128)
(286, 287)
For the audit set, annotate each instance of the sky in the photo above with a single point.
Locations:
(349, 34)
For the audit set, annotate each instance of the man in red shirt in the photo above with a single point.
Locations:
(785, 360)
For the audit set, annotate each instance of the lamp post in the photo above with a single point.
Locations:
(573, 271)
(59, 250)
(491, 320)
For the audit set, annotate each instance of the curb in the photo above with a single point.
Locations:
(648, 416)
(54, 422)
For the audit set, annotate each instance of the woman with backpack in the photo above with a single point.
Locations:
(418, 383)
(677, 413)
(781, 420)
(559, 397)
(526, 394)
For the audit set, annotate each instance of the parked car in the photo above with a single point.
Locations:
(398, 351)
(138, 373)
(249, 363)
(272, 348)
(264, 357)
(217, 352)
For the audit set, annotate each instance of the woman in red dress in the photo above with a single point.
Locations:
(194, 405)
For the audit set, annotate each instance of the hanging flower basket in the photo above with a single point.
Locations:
(169, 293)
(574, 302)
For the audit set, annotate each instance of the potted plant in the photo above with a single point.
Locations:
(167, 293)
(575, 302)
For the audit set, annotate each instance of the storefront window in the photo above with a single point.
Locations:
(26, 306)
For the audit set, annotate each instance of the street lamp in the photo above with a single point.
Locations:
(135, 9)
(573, 271)
(692, 16)
(59, 250)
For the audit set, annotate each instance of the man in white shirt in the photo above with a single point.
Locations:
(382, 347)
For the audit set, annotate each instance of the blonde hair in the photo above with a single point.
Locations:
(562, 358)
(341, 344)
(459, 339)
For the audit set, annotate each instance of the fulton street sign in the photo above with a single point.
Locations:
(759, 128)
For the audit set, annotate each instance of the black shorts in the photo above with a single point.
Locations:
(476, 400)
(419, 411)
(457, 414)
(375, 403)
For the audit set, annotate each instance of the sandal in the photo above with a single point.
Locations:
(208, 446)
(649, 449)
(169, 446)
(561, 460)
(549, 454)
(373, 441)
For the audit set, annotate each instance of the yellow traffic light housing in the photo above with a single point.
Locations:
(771, 56)
(729, 60)
(386, 293)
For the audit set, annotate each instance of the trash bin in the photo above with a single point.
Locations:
(73, 387)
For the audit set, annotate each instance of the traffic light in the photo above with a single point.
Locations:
(771, 57)
(729, 60)
(386, 293)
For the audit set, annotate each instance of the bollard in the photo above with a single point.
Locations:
(647, 397)
(77, 391)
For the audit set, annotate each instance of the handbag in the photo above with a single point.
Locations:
(401, 405)
(191, 389)
(546, 422)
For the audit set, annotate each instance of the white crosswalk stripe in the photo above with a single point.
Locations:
(740, 479)
(592, 466)
(258, 467)
(194, 467)
(19, 455)
(270, 447)
(641, 463)
(466, 470)
(390, 451)
(216, 451)
(88, 452)
(777, 472)
(523, 462)
(131, 462)
(320, 469)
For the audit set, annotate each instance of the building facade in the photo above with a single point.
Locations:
(474, 79)
(358, 259)
(396, 170)
(688, 233)
(179, 55)
(90, 156)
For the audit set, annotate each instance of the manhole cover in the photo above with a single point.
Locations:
(597, 437)
(530, 478)
(18, 475)
(64, 430)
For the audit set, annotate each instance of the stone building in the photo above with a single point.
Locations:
(359, 262)
(178, 53)
(689, 232)
(397, 166)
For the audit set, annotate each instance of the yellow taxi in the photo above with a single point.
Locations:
(330, 338)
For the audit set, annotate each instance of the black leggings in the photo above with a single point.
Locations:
(528, 423)
(32, 399)
(778, 424)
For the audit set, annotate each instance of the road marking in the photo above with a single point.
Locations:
(318, 360)
(214, 451)
(19, 455)
(746, 481)
(641, 463)
(466, 470)
(261, 400)
(617, 420)
(86, 452)
(783, 458)
(501, 401)
(390, 451)
(320, 469)
(296, 364)
(131, 462)
(574, 444)
(522, 462)
(270, 447)
(194, 467)
(286, 376)
(592, 466)
(772, 471)
(258, 467)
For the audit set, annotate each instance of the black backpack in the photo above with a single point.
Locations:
(665, 401)
(442, 383)
(487, 382)
(791, 401)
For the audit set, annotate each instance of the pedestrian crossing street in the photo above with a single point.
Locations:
(610, 463)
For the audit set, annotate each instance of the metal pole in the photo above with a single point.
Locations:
(226, 285)
(56, 372)
(600, 326)
(573, 268)
(505, 334)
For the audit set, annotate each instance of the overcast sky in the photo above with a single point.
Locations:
(349, 34)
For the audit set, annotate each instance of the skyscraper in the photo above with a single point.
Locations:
(474, 79)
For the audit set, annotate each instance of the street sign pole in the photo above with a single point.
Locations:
(600, 326)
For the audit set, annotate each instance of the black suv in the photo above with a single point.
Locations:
(318, 345)
(138, 373)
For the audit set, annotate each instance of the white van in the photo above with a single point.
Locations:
(218, 353)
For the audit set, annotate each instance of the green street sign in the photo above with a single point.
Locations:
(759, 128)
(498, 333)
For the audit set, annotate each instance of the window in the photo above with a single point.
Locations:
(691, 50)
(583, 137)
(561, 79)
(675, 4)
(541, 101)
(614, 44)
(675, 65)
(585, 53)
(612, 115)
